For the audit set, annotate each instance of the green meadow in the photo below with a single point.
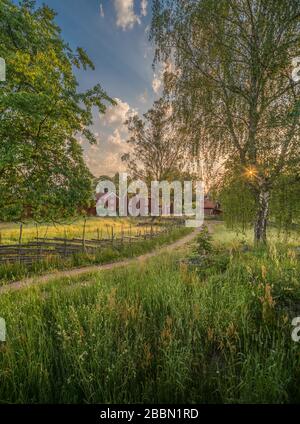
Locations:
(160, 331)
(94, 227)
(104, 255)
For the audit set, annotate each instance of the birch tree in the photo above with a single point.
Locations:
(235, 94)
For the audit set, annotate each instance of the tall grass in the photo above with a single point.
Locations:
(13, 272)
(158, 332)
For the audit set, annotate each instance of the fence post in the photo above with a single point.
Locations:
(112, 236)
(20, 240)
(65, 244)
(37, 242)
(83, 235)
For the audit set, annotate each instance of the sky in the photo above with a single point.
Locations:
(115, 35)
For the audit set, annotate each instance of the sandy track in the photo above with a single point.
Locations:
(37, 280)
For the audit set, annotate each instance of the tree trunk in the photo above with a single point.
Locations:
(260, 229)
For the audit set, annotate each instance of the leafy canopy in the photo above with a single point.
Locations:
(158, 149)
(42, 116)
(233, 90)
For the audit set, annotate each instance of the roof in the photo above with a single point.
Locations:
(208, 204)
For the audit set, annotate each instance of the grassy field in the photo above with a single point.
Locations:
(102, 227)
(159, 332)
(14, 272)
(225, 236)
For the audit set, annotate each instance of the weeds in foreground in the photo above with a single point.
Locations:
(158, 332)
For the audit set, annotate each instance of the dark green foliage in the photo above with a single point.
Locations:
(204, 243)
(42, 171)
(285, 203)
(238, 202)
(207, 259)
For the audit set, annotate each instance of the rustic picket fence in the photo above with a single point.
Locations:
(45, 249)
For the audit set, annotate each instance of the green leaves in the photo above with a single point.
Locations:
(158, 151)
(234, 94)
(42, 172)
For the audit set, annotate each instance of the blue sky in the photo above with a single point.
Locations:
(114, 34)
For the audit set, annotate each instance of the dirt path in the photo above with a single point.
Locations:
(37, 280)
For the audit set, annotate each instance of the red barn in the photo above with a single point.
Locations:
(211, 208)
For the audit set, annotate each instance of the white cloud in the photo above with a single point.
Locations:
(144, 6)
(104, 158)
(117, 115)
(115, 139)
(94, 148)
(126, 17)
(102, 11)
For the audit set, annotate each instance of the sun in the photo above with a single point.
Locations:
(251, 172)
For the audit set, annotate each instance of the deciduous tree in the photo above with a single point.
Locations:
(42, 114)
(234, 93)
(158, 150)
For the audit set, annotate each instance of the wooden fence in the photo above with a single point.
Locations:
(42, 249)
